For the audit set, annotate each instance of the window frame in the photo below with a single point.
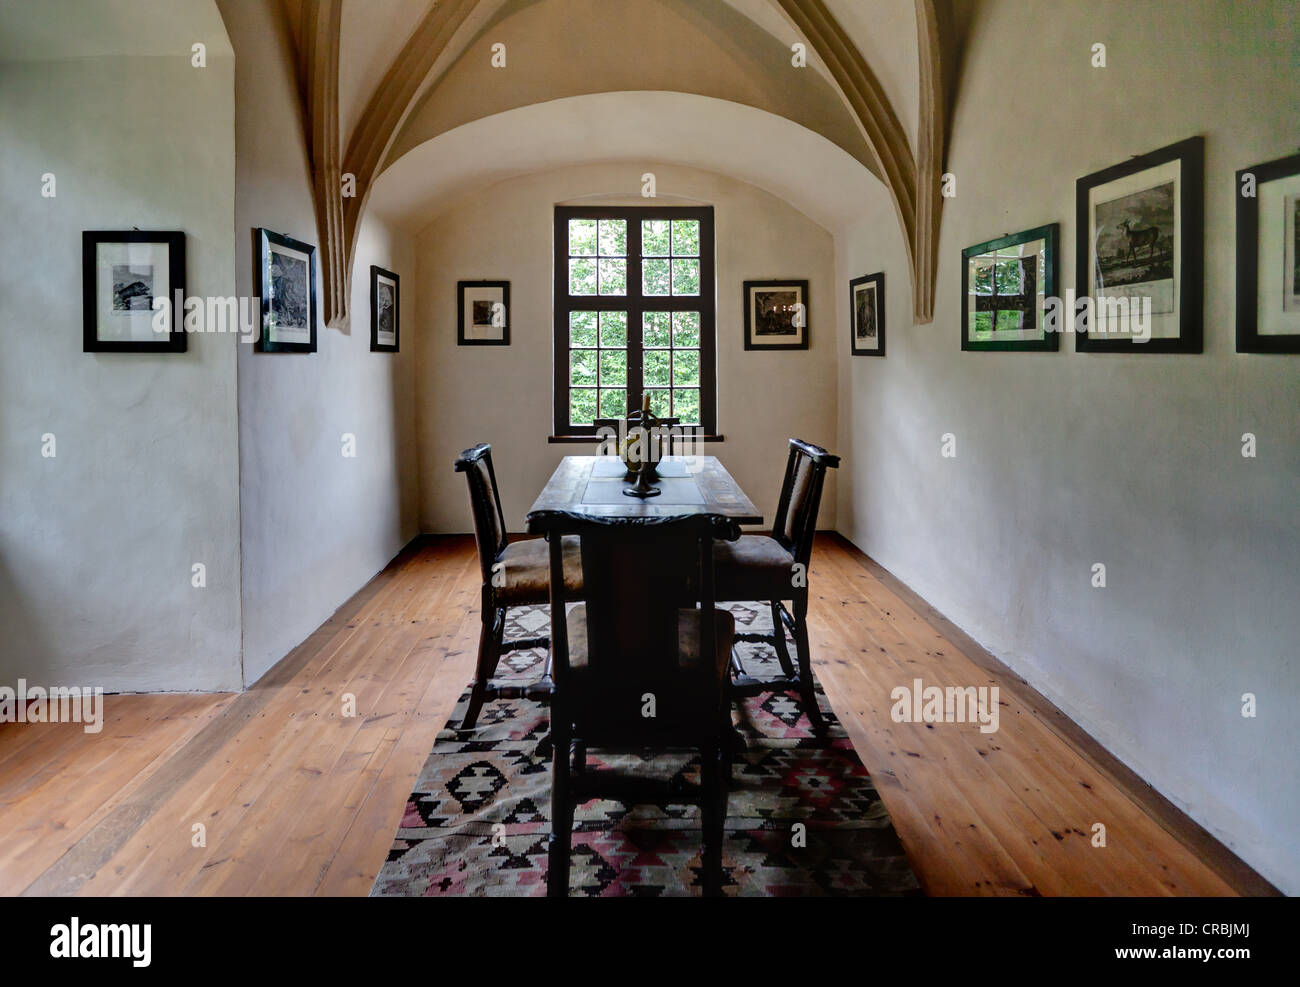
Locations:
(635, 304)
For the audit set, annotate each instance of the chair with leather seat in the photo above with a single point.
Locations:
(641, 664)
(515, 574)
(773, 569)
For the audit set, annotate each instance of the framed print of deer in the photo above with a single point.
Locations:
(1140, 253)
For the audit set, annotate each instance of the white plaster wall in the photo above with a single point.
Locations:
(314, 525)
(1066, 459)
(502, 395)
(97, 543)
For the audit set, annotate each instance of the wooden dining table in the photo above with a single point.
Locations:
(594, 485)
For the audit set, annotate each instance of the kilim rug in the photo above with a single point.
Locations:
(803, 817)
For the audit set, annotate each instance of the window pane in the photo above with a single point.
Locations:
(686, 328)
(613, 238)
(582, 237)
(613, 403)
(654, 365)
(613, 368)
(686, 367)
(654, 329)
(613, 328)
(686, 238)
(582, 406)
(582, 328)
(655, 276)
(659, 402)
(582, 367)
(654, 238)
(686, 277)
(582, 277)
(613, 277)
(686, 405)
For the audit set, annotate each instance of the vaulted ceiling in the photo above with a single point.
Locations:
(387, 78)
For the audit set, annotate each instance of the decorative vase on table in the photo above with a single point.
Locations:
(640, 451)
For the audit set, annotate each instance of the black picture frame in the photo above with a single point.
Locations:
(91, 342)
(1051, 339)
(377, 272)
(1189, 221)
(800, 287)
(462, 287)
(1249, 338)
(876, 282)
(263, 242)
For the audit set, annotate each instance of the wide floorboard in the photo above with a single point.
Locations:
(295, 787)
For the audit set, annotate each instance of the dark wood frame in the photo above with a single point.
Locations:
(879, 281)
(375, 346)
(802, 285)
(635, 304)
(1248, 338)
(90, 341)
(262, 241)
(1051, 341)
(1191, 217)
(461, 339)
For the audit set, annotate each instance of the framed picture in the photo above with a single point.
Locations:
(130, 283)
(385, 314)
(1005, 286)
(1140, 253)
(483, 313)
(776, 315)
(867, 315)
(1268, 257)
(286, 283)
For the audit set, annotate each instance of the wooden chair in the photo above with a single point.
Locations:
(642, 663)
(759, 567)
(515, 574)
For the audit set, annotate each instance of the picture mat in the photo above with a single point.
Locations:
(860, 339)
(775, 339)
(1029, 248)
(115, 325)
(1277, 313)
(286, 333)
(385, 337)
(1163, 326)
(491, 296)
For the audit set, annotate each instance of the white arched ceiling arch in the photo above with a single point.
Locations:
(641, 128)
(748, 72)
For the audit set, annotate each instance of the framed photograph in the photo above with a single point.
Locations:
(1005, 286)
(867, 315)
(286, 283)
(483, 313)
(130, 283)
(385, 315)
(1268, 257)
(1140, 253)
(776, 315)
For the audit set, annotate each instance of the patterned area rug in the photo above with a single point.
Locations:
(803, 817)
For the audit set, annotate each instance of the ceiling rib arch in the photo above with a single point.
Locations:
(448, 27)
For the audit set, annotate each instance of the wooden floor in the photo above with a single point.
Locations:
(294, 798)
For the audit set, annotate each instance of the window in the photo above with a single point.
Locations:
(634, 314)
